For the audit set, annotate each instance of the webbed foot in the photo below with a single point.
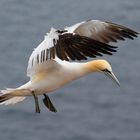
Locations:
(37, 108)
(47, 102)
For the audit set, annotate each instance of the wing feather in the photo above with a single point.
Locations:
(78, 42)
(102, 31)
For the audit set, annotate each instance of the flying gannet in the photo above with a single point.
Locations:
(50, 65)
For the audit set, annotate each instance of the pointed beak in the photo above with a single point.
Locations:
(112, 76)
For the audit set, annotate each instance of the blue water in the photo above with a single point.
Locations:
(92, 108)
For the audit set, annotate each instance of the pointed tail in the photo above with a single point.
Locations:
(13, 96)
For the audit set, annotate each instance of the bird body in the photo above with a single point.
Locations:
(56, 76)
(51, 65)
(59, 75)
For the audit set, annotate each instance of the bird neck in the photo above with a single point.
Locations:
(77, 70)
(93, 66)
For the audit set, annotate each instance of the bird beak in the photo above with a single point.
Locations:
(112, 76)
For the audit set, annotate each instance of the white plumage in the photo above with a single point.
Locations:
(49, 67)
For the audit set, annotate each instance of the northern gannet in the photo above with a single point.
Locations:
(50, 66)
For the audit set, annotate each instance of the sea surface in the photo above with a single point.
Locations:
(91, 108)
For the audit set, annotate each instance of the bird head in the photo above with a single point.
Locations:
(104, 67)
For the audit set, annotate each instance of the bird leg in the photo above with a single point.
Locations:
(47, 102)
(37, 108)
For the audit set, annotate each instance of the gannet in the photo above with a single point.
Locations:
(54, 63)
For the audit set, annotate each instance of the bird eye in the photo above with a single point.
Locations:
(106, 70)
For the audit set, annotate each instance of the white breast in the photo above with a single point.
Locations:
(56, 78)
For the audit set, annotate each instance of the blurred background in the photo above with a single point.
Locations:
(92, 108)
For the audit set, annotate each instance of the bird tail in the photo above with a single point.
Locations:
(13, 96)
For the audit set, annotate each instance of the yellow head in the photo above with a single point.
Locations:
(98, 65)
(102, 66)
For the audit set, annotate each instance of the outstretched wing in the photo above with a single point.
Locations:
(102, 31)
(71, 46)
(78, 42)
